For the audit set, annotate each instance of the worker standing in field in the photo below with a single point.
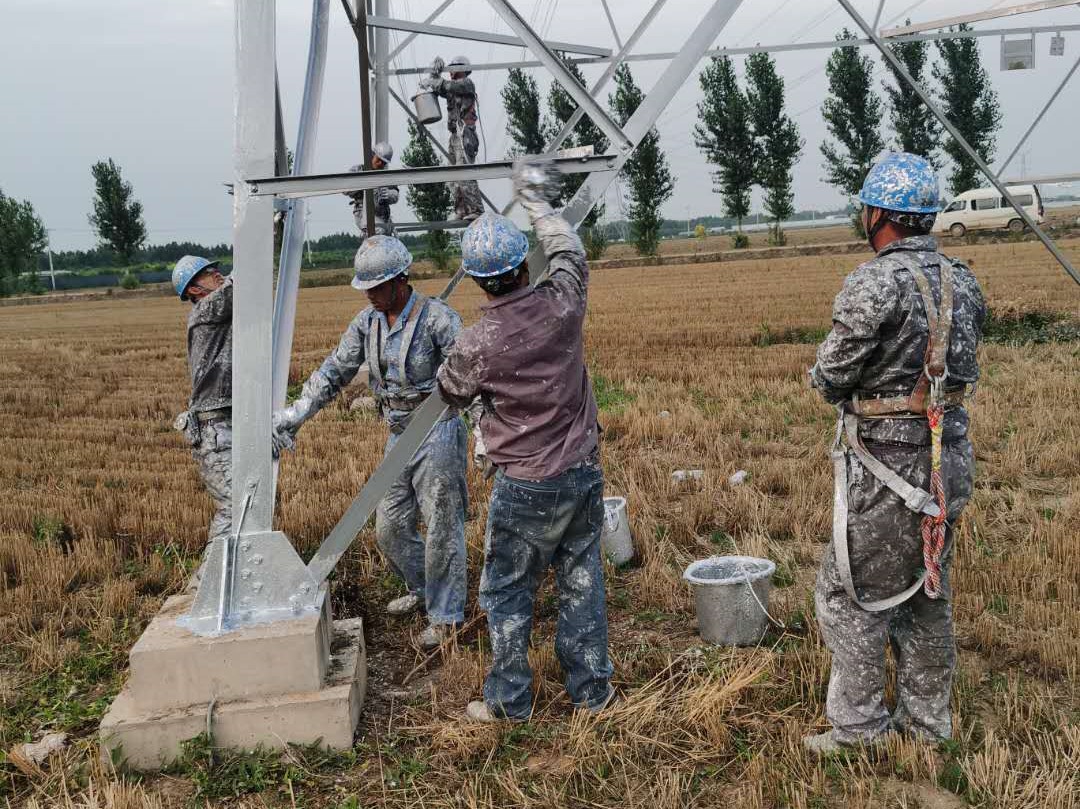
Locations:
(207, 423)
(897, 364)
(525, 360)
(460, 94)
(385, 195)
(402, 337)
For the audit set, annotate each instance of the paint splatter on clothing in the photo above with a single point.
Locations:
(212, 451)
(460, 95)
(525, 359)
(533, 526)
(209, 339)
(877, 348)
(385, 196)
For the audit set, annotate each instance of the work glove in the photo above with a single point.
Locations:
(536, 179)
(286, 422)
(187, 424)
(438, 65)
(480, 458)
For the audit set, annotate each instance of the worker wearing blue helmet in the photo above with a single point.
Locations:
(207, 423)
(402, 337)
(524, 358)
(897, 364)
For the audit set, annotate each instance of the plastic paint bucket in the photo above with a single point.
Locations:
(615, 540)
(427, 106)
(732, 595)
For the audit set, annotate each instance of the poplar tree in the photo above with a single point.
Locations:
(915, 128)
(430, 202)
(725, 136)
(778, 143)
(971, 104)
(646, 171)
(852, 114)
(117, 215)
(524, 124)
(22, 238)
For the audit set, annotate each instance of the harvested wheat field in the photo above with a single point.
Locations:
(102, 514)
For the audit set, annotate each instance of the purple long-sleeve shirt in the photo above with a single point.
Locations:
(525, 359)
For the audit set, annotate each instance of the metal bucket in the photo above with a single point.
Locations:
(732, 594)
(615, 539)
(427, 106)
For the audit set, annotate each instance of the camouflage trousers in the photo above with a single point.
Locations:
(885, 545)
(212, 451)
(463, 148)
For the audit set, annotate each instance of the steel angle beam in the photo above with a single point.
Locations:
(411, 227)
(476, 36)
(421, 424)
(317, 184)
(408, 40)
(901, 71)
(991, 14)
(829, 44)
(555, 66)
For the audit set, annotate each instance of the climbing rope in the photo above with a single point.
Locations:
(933, 528)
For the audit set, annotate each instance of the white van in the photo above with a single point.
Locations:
(986, 209)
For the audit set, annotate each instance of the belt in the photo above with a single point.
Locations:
(214, 415)
(899, 407)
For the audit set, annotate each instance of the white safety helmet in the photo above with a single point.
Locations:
(383, 150)
(460, 64)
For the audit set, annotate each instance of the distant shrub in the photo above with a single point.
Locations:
(130, 280)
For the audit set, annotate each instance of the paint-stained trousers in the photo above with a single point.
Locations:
(433, 488)
(885, 542)
(463, 148)
(533, 526)
(212, 451)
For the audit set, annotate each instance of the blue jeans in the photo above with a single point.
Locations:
(431, 487)
(531, 526)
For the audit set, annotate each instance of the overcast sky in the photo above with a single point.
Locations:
(150, 85)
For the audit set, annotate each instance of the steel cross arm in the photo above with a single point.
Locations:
(898, 66)
(314, 185)
(432, 138)
(1039, 117)
(395, 24)
(427, 415)
(613, 65)
(555, 66)
(430, 19)
(829, 44)
(644, 118)
(991, 14)
(451, 224)
(1045, 179)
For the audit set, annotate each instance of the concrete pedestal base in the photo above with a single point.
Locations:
(257, 706)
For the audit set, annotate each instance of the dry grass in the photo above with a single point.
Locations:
(102, 512)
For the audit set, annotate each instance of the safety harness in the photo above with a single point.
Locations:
(408, 397)
(927, 399)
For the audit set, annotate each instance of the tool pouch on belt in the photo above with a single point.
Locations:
(928, 390)
(188, 424)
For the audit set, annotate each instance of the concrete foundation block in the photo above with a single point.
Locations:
(150, 739)
(171, 667)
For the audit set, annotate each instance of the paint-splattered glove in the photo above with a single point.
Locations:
(438, 65)
(536, 180)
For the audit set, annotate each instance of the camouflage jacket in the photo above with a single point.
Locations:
(385, 196)
(877, 345)
(209, 339)
(460, 95)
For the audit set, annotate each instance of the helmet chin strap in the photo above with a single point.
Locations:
(876, 228)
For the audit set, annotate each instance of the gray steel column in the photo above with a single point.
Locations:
(380, 59)
(971, 153)
(1039, 117)
(555, 65)
(253, 262)
(292, 244)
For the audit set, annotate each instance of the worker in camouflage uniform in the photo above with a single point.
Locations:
(525, 360)
(460, 94)
(402, 338)
(897, 364)
(207, 423)
(385, 196)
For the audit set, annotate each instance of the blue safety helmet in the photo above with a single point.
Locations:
(185, 271)
(379, 259)
(492, 245)
(902, 182)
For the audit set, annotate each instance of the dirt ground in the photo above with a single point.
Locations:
(102, 515)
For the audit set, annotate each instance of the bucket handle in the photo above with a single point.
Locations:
(750, 587)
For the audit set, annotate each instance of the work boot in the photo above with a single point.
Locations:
(609, 700)
(435, 635)
(826, 744)
(406, 605)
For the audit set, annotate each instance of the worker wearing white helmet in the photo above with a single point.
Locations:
(460, 94)
(402, 337)
(385, 196)
(207, 423)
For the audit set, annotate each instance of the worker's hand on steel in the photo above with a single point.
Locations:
(536, 179)
(281, 440)
(438, 65)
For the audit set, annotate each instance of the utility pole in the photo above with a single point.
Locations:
(48, 251)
